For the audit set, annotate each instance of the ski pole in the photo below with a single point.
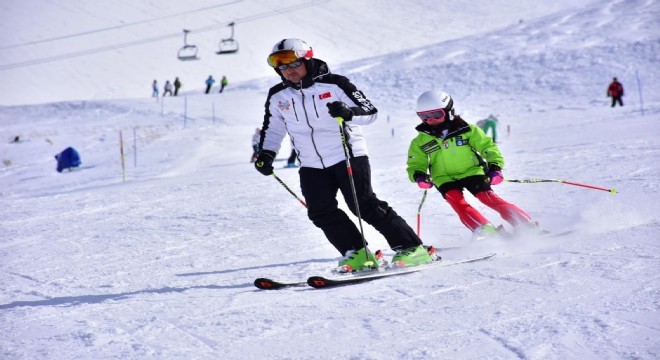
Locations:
(349, 170)
(288, 189)
(532, 181)
(419, 212)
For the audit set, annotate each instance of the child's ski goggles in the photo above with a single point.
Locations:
(431, 114)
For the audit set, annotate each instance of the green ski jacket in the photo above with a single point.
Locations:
(452, 152)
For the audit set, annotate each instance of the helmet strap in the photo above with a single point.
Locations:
(450, 115)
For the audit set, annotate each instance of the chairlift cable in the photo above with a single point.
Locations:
(103, 49)
(117, 27)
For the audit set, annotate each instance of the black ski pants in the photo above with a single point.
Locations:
(320, 186)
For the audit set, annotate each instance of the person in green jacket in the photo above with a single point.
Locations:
(489, 123)
(223, 83)
(460, 156)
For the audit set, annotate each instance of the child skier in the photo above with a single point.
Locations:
(460, 156)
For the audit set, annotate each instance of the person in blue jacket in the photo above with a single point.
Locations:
(209, 83)
(67, 159)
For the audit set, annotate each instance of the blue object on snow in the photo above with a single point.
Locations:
(68, 158)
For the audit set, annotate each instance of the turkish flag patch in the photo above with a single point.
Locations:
(325, 95)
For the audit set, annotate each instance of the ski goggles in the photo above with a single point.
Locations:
(431, 114)
(284, 59)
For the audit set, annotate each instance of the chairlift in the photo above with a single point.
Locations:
(228, 45)
(187, 52)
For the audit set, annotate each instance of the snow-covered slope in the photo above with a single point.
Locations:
(161, 265)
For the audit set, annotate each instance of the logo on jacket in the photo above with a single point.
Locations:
(430, 147)
(283, 105)
(363, 101)
(325, 95)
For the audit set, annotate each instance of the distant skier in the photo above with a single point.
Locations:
(460, 156)
(209, 83)
(489, 123)
(291, 161)
(67, 159)
(177, 86)
(615, 91)
(167, 88)
(255, 144)
(154, 88)
(223, 83)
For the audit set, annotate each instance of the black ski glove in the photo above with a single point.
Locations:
(339, 109)
(264, 162)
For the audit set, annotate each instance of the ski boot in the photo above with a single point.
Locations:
(380, 260)
(484, 232)
(412, 256)
(531, 228)
(358, 260)
(431, 250)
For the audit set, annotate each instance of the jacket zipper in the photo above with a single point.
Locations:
(315, 109)
(302, 94)
(293, 102)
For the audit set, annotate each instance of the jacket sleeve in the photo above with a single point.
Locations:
(364, 112)
(486, 147)
(273, 128)
(417, 159)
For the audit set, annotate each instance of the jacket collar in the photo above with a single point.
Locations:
(445, 130)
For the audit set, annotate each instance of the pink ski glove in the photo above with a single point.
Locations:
(423, 181)
(495, 177)
(424, 185)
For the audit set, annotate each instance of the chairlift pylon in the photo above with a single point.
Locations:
(187, 52)
(228, 45)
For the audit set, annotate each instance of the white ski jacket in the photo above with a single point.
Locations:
(300, 110)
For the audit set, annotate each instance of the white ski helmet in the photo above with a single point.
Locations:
(289, 50)
(435, 100)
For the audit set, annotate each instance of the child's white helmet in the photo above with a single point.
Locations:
(435, 100)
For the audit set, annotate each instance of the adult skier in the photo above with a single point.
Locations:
(305, 105)
(209, 83)
(167, 89)
(223, 83)
(615, 91)
(177, 86)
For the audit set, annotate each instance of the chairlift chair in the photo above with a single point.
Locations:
(187, 52)
(228, 45)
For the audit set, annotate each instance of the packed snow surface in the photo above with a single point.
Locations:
(152, 255)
